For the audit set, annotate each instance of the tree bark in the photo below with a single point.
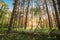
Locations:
(56, 14)
(58, 2)
(12, 16)
(27, 14)
(48, 15)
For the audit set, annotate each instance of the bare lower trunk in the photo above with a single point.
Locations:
(48, 15)
(12, 16)
(27, 15)
(56, 14)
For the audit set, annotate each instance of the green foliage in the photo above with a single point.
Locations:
(35, 10)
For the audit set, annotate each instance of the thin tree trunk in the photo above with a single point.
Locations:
(48, 15)
(27, 14)
(56, 14)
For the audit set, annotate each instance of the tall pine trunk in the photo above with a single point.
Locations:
(58, 2)
(48, 15)
(56, 14)
(27, 14)
(12, 16)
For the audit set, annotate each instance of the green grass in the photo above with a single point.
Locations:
(16, 36)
